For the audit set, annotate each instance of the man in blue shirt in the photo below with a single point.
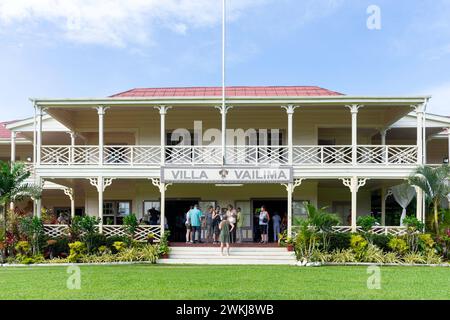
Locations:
(195, 217)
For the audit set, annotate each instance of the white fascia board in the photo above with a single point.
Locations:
(199, 101)
(433, 121)
(27, 125)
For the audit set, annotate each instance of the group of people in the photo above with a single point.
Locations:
(222, 226)
(225, 225)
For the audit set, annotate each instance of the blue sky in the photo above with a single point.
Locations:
(82, 48)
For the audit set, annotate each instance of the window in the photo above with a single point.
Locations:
(115, 210)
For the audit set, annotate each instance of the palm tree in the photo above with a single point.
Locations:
(434, 181)
(13, 186)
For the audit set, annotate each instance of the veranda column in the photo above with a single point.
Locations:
(223, 112)
(38, 202)
(73, 137)
(162, 112)
(354, 111)
(290, 109)
(354, 183)
(39, 135)
(162, 190)
(383, 205)
(290, 188)
(419, 192)
(101, 183)
(13, 157)
(448, 154)
(101, 110)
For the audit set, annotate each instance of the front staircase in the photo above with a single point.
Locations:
(238, 255)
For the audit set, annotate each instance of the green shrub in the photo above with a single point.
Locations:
(426, 242)
(33, 229)
(131, 224)
(366, 222)
(413, 223)
(372, 254)
(119, 246)
(94, 240)
(391, 257)
(77, 251)
(23, 248)
(358, 244)
(343, 256)
(398, 245)
(61, 247)
(339, 241)
(110, 240)
(379, 240)
(414, 258)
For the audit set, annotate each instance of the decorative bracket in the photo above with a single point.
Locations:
(290, 109)
(163, 109)
(354, 183)
(221, 109)
(354, 108)
(161, 186)
(291, 186)
(69, 192)
(101, 110)
(106, 183)
(418, 108)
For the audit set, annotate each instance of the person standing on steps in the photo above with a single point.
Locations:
(216, 221)
(239, 225)
(188, 226)
(231, 216)
(225, 230)
(264, 219)
(276, 221)
(195, 216)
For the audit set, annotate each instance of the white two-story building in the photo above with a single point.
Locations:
(168, 148)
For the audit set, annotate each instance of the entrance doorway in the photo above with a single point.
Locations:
(272, 206)
(176, 210)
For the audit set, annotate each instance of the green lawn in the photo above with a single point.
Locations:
(224, 282)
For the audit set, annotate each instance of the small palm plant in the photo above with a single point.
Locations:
(434, 183)
(13, 186)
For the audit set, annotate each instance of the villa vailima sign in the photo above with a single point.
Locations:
(226, 175)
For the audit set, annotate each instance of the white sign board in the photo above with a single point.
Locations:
(226, 175)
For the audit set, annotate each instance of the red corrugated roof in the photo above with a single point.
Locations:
(260, 91)
(5, 133)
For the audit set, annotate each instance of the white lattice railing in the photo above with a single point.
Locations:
(322, 155)
(255, 155)
(191, 155)
(386, 230)
(132, 155)
(236, 155)
(387, 154)
(70, 155)
(59, 230)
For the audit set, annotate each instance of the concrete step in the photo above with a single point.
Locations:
(229, 261)
(235, 249)
(234, 256)
(238, 256)
(234, 253)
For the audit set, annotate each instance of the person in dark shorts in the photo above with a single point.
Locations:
(264, 224)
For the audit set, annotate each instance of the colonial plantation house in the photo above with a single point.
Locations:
(113, 156)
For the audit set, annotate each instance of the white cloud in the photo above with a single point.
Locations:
(440, 101)
(116, 22)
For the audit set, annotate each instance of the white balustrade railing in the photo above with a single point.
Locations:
(235, 155)
(257, 155)
(386, 230)
(322, 155)
(191, 155)
(141, 234)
